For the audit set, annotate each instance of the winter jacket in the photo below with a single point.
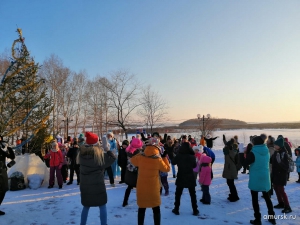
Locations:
(298, 164)
(56, 157)
(3, 174)
(280, 167)
(92, 186)
(64, 154)
(113, 146)
(259, 176)
(198, 157)
(271, 151)
(131, 173)
(205, 173)
(209, 141)
(122, 158)
(72, 154)
(230, 170)
(170, 150)
(148, 183)
(209, 153)
(186, 162)
(202, 142)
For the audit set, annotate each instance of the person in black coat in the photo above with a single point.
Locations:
(122, 160)
(169, 148)
(74, 166)
(280, 167)
(131, 174)
(186, 162)
(5, 152)
(209, 140)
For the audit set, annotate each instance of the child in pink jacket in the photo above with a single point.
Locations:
(205, 178)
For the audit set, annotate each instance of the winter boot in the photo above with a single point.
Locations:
(287, 209)
(167, 193)
(234, 198)
(2, 213)
(70, 182)
(271, 217)
(175, 211)
(196, 212)
(280, 205)
(59, 186)
(257, 220)
(50, 186)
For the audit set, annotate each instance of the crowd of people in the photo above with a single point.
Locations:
(144, 163)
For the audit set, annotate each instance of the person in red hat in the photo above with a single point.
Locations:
(93, 159)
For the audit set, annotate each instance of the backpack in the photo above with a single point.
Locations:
(291, 162)
(17, 181)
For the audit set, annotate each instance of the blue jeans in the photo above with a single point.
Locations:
(173, 170)
(103, 215)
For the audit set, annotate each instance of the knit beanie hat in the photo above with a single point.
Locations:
(91, 138)
(257, 140)
(134, 145)
(125, 142)
(155, 134)
(279, 142)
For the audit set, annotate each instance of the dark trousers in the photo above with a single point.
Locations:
(281, 195)
(64, 172)
(299, 176)
(53, 170)
(164, 182)
(110, 175)
(242, 161)
(205, 194)
(76, 168)
(232, 188)
(156, 215)
(192, 192)
(2, 195)
(255, 204)
(123, 171)
(127, 194)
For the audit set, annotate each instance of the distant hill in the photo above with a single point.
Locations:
(222, 123)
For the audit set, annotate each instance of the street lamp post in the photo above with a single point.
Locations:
(67, 120)
(203, 121)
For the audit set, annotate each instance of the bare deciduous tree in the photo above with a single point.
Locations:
(56, 76)
(122, 91)
(153, 107)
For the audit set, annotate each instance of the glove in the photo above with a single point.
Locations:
(278, 158)
(60, 166)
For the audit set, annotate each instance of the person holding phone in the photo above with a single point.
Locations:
(5, 152)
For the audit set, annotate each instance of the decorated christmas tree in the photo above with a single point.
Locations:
(24, 103)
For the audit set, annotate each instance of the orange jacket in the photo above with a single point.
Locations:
(202, 142)
(148, 182)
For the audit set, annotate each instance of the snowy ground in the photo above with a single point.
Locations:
(56, 207)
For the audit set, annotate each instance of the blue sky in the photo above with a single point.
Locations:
(232, 59)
